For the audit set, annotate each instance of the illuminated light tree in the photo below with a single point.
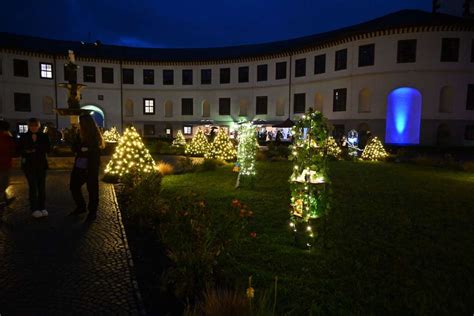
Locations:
(199, 145)
(332, 148)
(111, 135)
(222, 147)
(179, 141)
(130, 157)
(374, 150)
(246, 152)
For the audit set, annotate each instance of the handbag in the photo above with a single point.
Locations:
(81, 163)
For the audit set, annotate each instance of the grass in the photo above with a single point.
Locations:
(399, 238)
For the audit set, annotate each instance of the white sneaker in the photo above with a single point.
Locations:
(37, 214)
(45, 213)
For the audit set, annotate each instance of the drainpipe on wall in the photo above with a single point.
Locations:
(121, 96)
(289, 87)
(56, 90)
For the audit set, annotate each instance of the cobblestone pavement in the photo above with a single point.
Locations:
(60, 265)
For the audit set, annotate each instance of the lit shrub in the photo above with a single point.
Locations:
(165, 168)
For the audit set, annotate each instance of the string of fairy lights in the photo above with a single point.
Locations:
(221, 147)
(179, 140)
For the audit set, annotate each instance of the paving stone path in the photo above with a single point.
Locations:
(60, 265)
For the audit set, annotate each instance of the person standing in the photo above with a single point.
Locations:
(34, 147)
(7, 150)
(87, 146)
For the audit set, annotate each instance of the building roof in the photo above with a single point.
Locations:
(396, 20)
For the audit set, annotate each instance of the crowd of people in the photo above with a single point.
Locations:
(33, 148)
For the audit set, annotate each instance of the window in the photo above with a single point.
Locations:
(206, 108)
(169, 108)
(472, 51)
(243, 74)
(224, 106)
(149, 129)
(22, 102)
(100, 97)
(300, 67)
(70, 75)
(280, 70)
(20, 68)
(168, 77)
(148, 106)
(187, 130)
(469, 132)
(406, 51)
(319, 64)
(187, 106)
(46, 71)
(206, 76)
(470, 97)
(261, 105)
(168, 131)
(341, 60)
(262, 72)
(187, 76)
(243, 108)
(446, 99)
(366, 55)
(225, 75)
(127, 76)
(89, 74)
(129, 107)
(450, 49)
(339, 100)
(299, 103)
(22, 128)
(107, 75)
(149, 77)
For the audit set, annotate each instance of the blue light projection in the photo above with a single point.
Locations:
(403, 117)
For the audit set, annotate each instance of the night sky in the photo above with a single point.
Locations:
(175, 23)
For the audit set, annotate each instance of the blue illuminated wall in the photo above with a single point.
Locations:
(403, 117)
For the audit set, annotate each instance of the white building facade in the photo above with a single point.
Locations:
(407, 77)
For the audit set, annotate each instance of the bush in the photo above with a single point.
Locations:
(221, 302)
(165, 168)
(468, 166)
(185, 165)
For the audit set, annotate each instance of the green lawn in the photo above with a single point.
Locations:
(400, 238)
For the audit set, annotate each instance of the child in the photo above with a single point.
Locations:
(7, 149)
(34, 147)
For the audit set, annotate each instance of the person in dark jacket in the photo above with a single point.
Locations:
(7, 151)
(34, 147)
(87, 146)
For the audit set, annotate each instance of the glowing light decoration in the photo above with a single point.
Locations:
(221, 147)
(179, 141)
(403, 116)
(131, 156)
(246, 151)
(374, 150)
(198, 146)
(111, 135)
(333, 149)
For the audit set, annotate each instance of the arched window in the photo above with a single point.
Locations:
(48, 105)
(403, 116)
(169, 108)
(365, 100)
(243, 107)
(128, 108)
(280, 106)
(443, 135)
(446, 98)
(206, 108)
(318, 102)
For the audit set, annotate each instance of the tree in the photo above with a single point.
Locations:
(111, 135)
(222, 147)
(179, 141)
(333, 149)
(374, 150)
(198, 146)
(130, 157)
(246, 151)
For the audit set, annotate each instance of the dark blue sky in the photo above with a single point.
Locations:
(198, 23)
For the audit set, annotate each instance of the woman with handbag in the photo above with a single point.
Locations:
(87, 147)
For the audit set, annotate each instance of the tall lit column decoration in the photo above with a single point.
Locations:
(309, 180)
(246, 152)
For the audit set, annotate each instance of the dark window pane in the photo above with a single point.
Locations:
(22, 102)
(148, 76)
(339, 100)
(262, 72)
(243, 74)
(406, 51)
(187, 76)
(320, 64)
(107, 75)
(341, 60)
(470, 97)
(299, 103)
(89, 74)
(366, 55)
(127, 76)
(168, 77)
(300, 67)
(20, 68)
(149, 129)
(280, 71)
(206, 76)
(261, 105)
(450, 49)
(187, 106)
(469, 132)
(224, 106)
(472, 50)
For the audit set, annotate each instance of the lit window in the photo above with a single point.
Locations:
(46, 71)
(187, 130)
(148, 106)
(22, 128)
(168, 131)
